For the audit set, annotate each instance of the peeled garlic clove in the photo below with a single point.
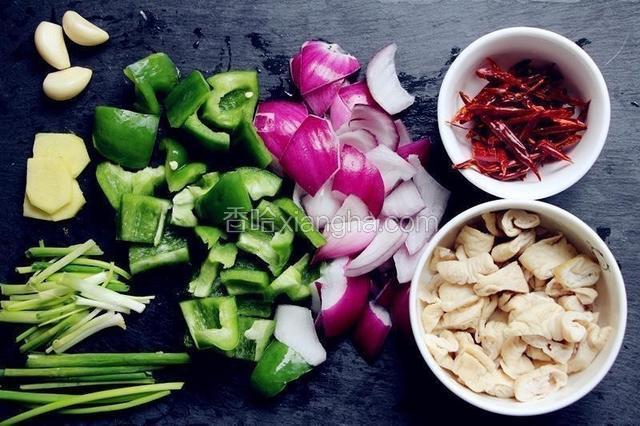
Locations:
(66, 84)
(81, 31)
(49, 41)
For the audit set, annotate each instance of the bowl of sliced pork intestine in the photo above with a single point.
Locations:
(518, 307)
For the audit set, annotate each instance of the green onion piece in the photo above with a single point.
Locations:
(21, 317)
(50, 334)
(90, 397)
(28, 332)
(104, 265)
(10, 289)
(62, 262)
(56, 385)
(31, 397)
(61, 317)
(72, 338)
(60, 251)
(72, 371)
(116, 407)
(108, 377)
(106, 359)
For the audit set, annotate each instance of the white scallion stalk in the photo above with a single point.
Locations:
(79, 324)
(109, 319)
(61, 317)
(90, 288)
(102, 305)
(62, 262)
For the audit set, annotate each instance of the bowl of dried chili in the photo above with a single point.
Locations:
(523, 113)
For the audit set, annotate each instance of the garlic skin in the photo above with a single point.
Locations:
(81, 31)
(66, 84)
(49, 41)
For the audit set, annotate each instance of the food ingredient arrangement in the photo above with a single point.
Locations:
(523, 118)
(508, 309)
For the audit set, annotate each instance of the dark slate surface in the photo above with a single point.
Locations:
(214, 36)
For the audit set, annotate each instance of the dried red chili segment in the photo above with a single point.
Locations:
(522, 119)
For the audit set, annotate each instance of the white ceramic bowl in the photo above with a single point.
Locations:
(582, 77)
(611, 303)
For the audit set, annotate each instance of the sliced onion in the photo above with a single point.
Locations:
(372, 330)
(392, 167)
(316, 302)
(348, 97)
(400, 311)
(277, 121)
(322, 206)
(294, 68)
(352, 208)
(403, 133)
(387, 241)
(420, 147)
(404, 201)
(383, 82)
(321, 99)
(295, 328)
(313, 154)
(361, 139)
(322, 63)
(347, 238)
(377, 122)
(406, 263)
(388, 294)
(358, 176)
(297, 195)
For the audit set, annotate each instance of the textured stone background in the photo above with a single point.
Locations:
(216, 35)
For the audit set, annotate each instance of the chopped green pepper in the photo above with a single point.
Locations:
(251, 306)
(270, 217)
(208, 138)
(282, 243)
(146, 99)
(179, 172)
(244, 281)
(182, 210)
(225, 254)
(255, 334)
(172, 249)
(141, 218)
(202, 284)
(259, 244)
(124, 137)
(278, 366)
(247, 142)
(115, 181)
(208, 181)
(227, 202)
(234, 96)
(157, 70)
(212, 322)
(290, 281)
(209, 235)
(186, 98)
(304, 225)
(260, 183)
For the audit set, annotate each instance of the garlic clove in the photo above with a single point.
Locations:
(81, 31)
(66, 84)
(49, 41)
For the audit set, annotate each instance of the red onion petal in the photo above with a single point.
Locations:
(392, 167)
(313, 154)
(420, 147)
(388, 293)
(322, 63)
(383, 82)
(361, 139)
(372, 331)
(403, 201)
(400, 311)
(356, 94)
(377, 122)
(323, 206)
(406, 264)
(295, 328)
(339, 113)
(321, 99)
(277, 121)
(352, 208)
(294, 69)
(347, 238)
(387, 241)
(403, 133)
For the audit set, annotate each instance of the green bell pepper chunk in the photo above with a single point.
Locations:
(211, 140)
(115, 181)
(246, 142)
(124, 137)
(278, 366)
(186, 98)
(202, 284)
(234, 96)
(157, 70)
(182, 210)
(250, 306)
(208, 181)
(173, 249)
(209, 235)
(227, 202)
(290, 281)
(224, 254)
(270, 217)
(146, 99)
(282, 243)
(255, 335)
(260, 183)
(244, 281)
(259, 244)
(178, 170)
(304, 224)
(141, 218)
(212, 322)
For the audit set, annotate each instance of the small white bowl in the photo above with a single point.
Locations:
(581, 76)
(611, 303)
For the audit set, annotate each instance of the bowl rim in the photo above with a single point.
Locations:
(500, 189)
(546, 405)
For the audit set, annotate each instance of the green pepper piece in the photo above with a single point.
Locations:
(186, 98)
(211, 140)
(304, 224)
(219, 255)
(299, 293)
(147, 180)
(182, 210)
(260, 183)
(173, 249)
(209, 235)
(212, 322)
(290, 280)
(250, 306)
(282, 243)
(208, 181)
(269, 216)
(179, 172)
(124, 137)
(115, 181)
(247, 142)
(227, 202)
(157, 70)
(202, 284)
(141, 218)
(259, 244)
(234, 96)
(225, 254)
(255, 334)
(278, 366)
(243, 281)
(146, 99)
